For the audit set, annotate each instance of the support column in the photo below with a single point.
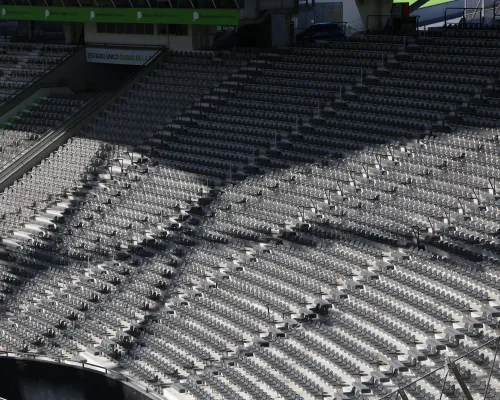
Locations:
(31, 30)
(374, 7)
(72, 32)
(460, 380)
(78, 32)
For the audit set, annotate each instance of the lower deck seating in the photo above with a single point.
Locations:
(20, 132)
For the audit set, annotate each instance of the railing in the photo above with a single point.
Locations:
(44, 146)
(496, 10)
(10, 172)
(21, 33)
(344, 26)
(159, 51)
(150, 389)
(479, 6)
(31, 83)
(464, 14)
(350, 29)
(125, 46)
(399, 393)
(417, 18)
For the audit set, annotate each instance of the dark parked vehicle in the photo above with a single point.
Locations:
(321, 31)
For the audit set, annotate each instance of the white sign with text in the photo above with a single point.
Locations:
(118, 56)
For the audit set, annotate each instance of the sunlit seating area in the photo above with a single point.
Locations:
(33, 123)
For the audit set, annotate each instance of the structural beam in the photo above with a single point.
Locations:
(460, 380)
(402, 394)
(419, 3)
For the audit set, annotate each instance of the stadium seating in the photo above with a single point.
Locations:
(21, 63)
(298, 223)
(33, 123)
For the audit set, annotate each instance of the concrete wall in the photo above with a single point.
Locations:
(350, 12)
(203, 36)
(280, 30)
(374, 7)
(72, 32)
(24, 379)
(77, 74)
(170, 41)
(69, 74)
(250, 10)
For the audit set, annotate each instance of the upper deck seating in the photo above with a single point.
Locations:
(21, 63)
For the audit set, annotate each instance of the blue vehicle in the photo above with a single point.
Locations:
(321, 31)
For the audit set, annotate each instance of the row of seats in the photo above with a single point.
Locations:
(23, 130)
(21, 63)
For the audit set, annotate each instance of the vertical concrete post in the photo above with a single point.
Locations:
(69, 32)
(31, 30)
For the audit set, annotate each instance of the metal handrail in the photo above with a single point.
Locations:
(353, 29)
(37, 78)
(416, 22)
(14, 166)
(10, 170)
(137, 384)
(496, 6)
(464, 9)
(475, 11)
(387, 396)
